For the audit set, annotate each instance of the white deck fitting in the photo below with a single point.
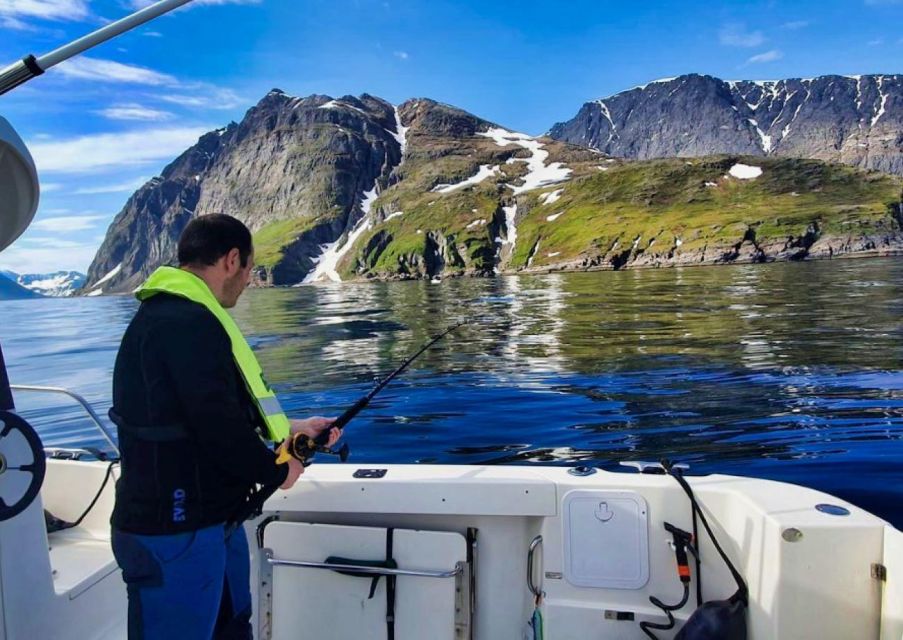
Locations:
(817, 587)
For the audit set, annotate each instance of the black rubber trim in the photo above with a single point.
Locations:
(6, 394)
(32, 63)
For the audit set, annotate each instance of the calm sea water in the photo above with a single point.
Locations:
(792, 371)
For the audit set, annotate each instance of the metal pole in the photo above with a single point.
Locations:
(29, 67)
(107, 433)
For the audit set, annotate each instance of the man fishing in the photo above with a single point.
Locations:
(191, 405)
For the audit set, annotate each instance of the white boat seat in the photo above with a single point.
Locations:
(78, 560)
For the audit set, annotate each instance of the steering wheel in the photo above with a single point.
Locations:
(22, 465)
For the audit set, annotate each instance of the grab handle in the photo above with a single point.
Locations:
(361, 569)
(535, 590)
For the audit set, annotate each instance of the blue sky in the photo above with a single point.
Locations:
(102, 125)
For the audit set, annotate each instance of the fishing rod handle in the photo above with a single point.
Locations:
(342, 420)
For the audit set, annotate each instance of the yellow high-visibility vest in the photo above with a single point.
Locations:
(184, 284)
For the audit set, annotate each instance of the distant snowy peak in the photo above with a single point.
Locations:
(857, 120)
(59, 284)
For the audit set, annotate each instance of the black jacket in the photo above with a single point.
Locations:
(175, 367)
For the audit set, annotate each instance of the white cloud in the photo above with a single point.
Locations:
(401, 55)
(66, 224)
(15, 24)
(197, 94)
(85, 68)
(49, 187)
(132, 185)
(133, 111)
(736, 35)
(45, 9)
(152, 34)
(768, 56)
(22, 258)
(795, 25)
(877, 42)
(51, 243)
(106, 150)
(204, 96)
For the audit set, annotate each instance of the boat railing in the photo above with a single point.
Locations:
(104, 429)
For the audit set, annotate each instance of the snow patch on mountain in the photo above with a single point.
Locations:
(400, 134)
(551, 197)
(485, 172)
(765, 139)
(336, 104)
(511, 235)
(97, 288)
(335, 251)
(745, 172)
(539, 174)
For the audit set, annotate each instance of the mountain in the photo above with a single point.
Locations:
(12, 290)
(855, 120)
(355, 187)
(57, 284)
(293, 170)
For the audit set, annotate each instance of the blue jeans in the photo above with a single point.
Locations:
(187, 586)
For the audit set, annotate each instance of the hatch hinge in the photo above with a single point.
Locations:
(879, 572)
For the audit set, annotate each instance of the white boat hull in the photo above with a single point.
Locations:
(603, 552)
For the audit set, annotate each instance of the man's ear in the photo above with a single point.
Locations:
(233, 261)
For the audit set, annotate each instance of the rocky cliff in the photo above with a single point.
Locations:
(293, 170)
(855, 120)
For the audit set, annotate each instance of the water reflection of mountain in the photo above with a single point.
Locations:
(705, 365)
(753, 318)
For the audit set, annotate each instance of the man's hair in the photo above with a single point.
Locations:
(206, 239)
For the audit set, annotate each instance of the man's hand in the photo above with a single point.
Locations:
(312, 427)
(295, 469)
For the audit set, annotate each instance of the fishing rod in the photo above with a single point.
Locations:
(303, 448)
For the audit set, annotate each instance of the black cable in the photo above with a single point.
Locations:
(103, 485)
(696, 558)
(743, 591)
(667, 608)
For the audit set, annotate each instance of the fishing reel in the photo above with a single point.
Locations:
(303, 448)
